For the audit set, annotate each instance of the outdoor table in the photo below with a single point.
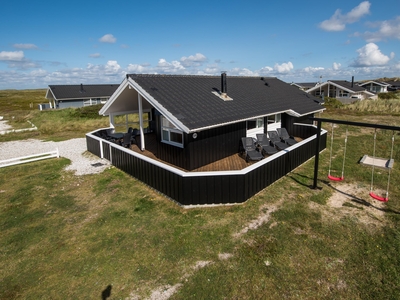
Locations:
(117, 135)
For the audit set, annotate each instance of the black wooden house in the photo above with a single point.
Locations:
(199, 120)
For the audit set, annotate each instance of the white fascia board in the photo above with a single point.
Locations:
(376, 82)
(113, 97)
(170, 117)
(232, 122)
(289, 112)
(297, 115)
(316, 87)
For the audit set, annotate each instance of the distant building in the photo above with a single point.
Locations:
(63, 96)
(375, 87)
(394, 85)
(304, 86)
(342, 90)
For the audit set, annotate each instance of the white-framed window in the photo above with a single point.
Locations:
(274, 119)
(170, 134)
(255, 126)
(344, 94)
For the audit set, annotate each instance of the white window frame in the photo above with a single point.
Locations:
(275, 124)
(258, 129)
(168, 130)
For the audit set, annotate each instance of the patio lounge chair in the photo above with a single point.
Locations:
(276, 141)
(284, 135)
(264, 142)
(250, 150)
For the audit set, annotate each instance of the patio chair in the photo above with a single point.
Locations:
(276, 141)
(284, 135)
(250, 149)
(127, 140)
(265, 144)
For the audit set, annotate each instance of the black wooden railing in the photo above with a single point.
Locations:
(206, 188)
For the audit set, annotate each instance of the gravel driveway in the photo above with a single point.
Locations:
(71, 149)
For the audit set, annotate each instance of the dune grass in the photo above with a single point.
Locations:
(70, 237)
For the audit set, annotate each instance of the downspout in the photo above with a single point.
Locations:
(142, 145)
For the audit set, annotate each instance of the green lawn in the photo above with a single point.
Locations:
(70, 237)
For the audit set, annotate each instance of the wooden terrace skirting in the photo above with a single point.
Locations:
(207, 188)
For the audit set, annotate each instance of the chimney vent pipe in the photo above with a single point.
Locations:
(223, 83)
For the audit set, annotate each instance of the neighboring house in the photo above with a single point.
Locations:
(304, 86)
(195, 121)
(375, 87)
(63, 96)
(342, 90)
(394, 85)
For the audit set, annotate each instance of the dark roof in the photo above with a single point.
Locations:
(394, 83)
(348, 85)
(191, 101)
(79, 91)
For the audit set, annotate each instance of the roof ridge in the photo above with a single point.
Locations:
(196, 76)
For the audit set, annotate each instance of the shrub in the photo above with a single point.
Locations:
(388, 95)
(87, 112)
(333, 102)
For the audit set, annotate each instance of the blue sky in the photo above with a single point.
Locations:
(71, 42)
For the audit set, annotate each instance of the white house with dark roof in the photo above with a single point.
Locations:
(342, 90)
(375, 87)
(63, 96)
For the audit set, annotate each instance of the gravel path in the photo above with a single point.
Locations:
(72, 149)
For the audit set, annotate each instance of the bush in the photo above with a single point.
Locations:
(388, 95)
(333, 102)
(87, 112)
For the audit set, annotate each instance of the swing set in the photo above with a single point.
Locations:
(384, 198)
(333, 178)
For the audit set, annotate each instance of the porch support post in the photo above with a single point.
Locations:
(111, 117)
(142, 145)
(328, 88)
(317, 155)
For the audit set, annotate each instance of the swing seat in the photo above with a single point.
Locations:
(379, 198)
(333, 178)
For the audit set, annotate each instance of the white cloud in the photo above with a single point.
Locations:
(173, 67)
(112, 67)
(284, 67)
(25, 46)
(108, 38)
(193, 60)
(336, 66)
(11, 55)
(389, 29)
(134, 68)
(95, 55)
(370, 55)
(241, 72)
(267, 70)
(313, 69)
(338, 21)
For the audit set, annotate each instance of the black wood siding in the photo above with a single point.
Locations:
(209, 146)
(210, 187)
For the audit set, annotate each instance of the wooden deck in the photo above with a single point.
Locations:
(230, 163)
